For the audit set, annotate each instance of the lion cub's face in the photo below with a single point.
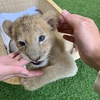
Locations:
(33, 35)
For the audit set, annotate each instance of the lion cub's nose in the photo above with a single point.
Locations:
(37, 59)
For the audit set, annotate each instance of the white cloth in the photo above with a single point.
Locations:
(12, 17)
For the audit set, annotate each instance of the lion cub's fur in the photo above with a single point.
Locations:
(40, 44)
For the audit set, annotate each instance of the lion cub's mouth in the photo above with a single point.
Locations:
(37, 62)
(42, 63)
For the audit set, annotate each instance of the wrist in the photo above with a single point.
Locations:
(93, 60)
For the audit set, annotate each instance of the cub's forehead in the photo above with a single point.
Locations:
(31, 23)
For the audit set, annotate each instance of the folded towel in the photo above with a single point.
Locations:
(12, 17)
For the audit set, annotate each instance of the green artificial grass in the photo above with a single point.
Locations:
(79, 87)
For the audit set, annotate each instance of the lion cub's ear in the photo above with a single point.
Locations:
(7, 26)
(51, 18)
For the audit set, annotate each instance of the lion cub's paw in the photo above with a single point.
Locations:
(30, 83)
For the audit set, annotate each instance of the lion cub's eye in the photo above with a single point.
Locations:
(41, 38)
(22, 43)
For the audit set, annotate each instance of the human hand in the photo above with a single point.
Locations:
(12, 65)
(84, 32)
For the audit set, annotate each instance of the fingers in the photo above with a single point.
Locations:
(22, 72)
(64, 26)
(31, 74)
(6, 77)
(66, 31)
(14, 54)
(61, 20)
(69, 38)
(69, 18)
(23, 62)
(18, 57)
(72, 19)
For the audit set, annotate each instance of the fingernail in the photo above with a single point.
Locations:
(65, 12)
(24, 73)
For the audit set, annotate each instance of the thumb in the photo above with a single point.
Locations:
(72, 19)
(19, 70)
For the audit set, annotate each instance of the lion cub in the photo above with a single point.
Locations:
(36, 38)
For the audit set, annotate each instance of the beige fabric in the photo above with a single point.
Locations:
(2, 47)
(97, 84)
(20, 5)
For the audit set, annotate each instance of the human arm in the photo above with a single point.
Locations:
(85, 35)
(12, 65)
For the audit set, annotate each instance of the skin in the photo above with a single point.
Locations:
(84, 32)
(12, 65)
